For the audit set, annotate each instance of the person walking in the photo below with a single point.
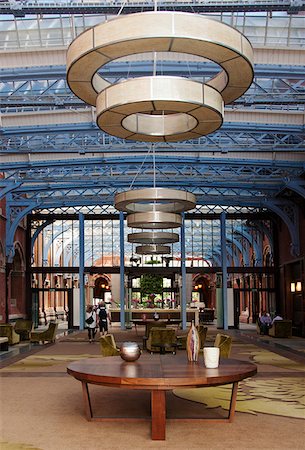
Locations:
(90, 322)
(103, 319)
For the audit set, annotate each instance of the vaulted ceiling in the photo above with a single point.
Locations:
(52, 153)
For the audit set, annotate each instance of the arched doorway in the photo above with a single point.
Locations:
(201, 290)
(17, 283)
(102, 290)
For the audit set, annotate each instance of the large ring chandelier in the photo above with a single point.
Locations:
(154, 208)
(153, 237)
(155, 199)
(160, 108)
(153, 249)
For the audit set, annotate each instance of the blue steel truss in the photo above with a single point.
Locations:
(85, 138)
(186, 172)
(42, 88)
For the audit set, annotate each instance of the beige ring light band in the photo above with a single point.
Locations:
(153, 237)
(154, 220)
(154, 199)
(160, 32)
(153, 250)
(159, 109)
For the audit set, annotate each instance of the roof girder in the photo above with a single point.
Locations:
(19, 9)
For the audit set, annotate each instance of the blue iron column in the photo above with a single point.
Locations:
(183, 274)
(122, 273)
(81, 271)
(224, 269)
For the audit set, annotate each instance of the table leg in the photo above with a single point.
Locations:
(233, 401)
(87, 402)
(158, 415)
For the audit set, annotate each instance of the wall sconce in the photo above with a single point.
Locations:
(199, 286)
(296, 286)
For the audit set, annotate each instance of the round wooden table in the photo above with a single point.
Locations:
(158, 374)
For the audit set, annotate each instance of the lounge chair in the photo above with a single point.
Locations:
(23, 327)
(224, 343)
(7, 330)
(281, 329)
(48, 335)
(162, 340)
(108, 346)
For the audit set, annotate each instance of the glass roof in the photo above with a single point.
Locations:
(34, 31)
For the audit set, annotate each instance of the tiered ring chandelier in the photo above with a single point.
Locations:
(160, 108)
(154, 208)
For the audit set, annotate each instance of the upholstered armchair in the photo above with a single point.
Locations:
(161, 339)
(148, 327)
(23, 327)
(108, 346)
(202, 331)
(281, 329)
(48, 335)
(7, 330)
(224, 343)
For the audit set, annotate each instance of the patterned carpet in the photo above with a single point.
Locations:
(271, 401)
(277, 396)
(278, 389)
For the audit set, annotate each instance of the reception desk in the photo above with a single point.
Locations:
(164, 314)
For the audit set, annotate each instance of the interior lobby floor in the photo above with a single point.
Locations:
(41, 406)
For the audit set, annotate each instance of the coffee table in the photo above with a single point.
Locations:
(158, 374)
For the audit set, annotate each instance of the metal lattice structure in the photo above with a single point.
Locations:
(53, 156)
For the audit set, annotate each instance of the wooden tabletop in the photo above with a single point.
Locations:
(161, 372)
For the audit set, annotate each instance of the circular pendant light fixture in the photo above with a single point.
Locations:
(153, 237)
(154, 199)
(154, 220)
(153, 249)
(158, 109)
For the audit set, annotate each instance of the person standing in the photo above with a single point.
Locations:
(90, 322)
(103, 319)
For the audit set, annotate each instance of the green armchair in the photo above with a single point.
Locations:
(48, 335)
(23, 327)
(108, 346)
(202, 331)
(7, 330)
(164, 336)
(148, 327)
(224, 343)
(281, 329)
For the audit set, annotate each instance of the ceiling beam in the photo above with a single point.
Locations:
(21, 9)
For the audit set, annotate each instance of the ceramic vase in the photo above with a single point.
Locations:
(193, 344)
(211, 357)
